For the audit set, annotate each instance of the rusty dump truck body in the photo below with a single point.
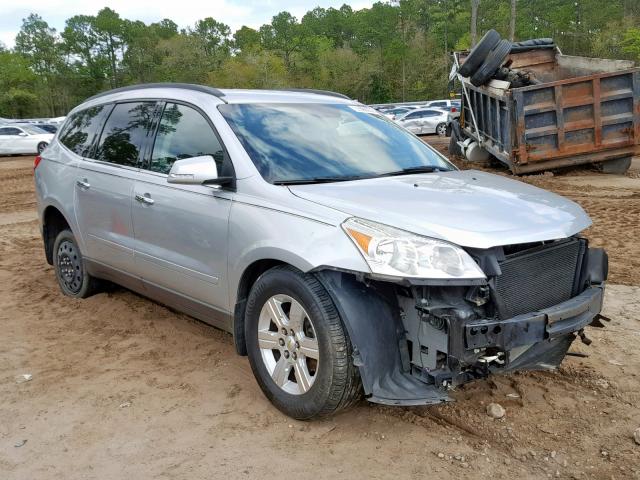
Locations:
(585, 110)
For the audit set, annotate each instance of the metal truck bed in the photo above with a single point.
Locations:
(585, 110)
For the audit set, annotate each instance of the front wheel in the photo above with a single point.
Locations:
(298, 348)
(441, 129)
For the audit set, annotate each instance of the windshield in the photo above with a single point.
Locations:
(298, 142)
(33, 130)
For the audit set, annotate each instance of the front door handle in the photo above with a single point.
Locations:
(146, 199)
(83, 184)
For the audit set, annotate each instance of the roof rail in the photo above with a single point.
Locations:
(328, 93)
(187, 86)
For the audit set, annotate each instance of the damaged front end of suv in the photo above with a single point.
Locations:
(459, 314)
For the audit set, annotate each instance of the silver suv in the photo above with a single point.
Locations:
(346, 257)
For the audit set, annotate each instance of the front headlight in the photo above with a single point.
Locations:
(390, 251)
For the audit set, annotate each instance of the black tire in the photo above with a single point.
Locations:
(617, 166)
(41, 146)
(493, 61)
(454, 148)
(337, 382)
(68, 263)
(479, 53)
(441, 129)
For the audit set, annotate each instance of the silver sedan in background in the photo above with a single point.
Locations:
(424, 121)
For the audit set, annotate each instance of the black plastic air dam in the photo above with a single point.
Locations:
(376, 333)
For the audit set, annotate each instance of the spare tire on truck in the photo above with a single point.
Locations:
(491, 63)
(479, 53)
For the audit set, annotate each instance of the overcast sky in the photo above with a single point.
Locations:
(234, 13)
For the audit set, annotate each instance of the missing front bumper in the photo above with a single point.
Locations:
(527, 329)
(411, 344)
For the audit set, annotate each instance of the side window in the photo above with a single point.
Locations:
(124, 133)
(80, 130)
(413, 115)
(183, 132)
(430, 113)
(10, 131)
(438, 104)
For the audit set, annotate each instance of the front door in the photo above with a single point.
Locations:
(181, 230)
(104, 185)
(413, 122)
(10, 140)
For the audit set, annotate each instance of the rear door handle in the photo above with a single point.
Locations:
(83, 184)
(146, 199)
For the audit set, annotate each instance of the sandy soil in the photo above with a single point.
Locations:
(124, 387)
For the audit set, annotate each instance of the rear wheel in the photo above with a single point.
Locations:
(298, 348)
(454, 148)
(69, 266)
(41, 146)
(617, 166)
(441, 129)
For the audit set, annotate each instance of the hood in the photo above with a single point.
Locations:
(468, 208)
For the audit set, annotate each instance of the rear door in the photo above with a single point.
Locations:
(104, 184)
(430, 119)
(181, 230)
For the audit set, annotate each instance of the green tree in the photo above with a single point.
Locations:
(283, 35)
(110, 32)
(246, 39)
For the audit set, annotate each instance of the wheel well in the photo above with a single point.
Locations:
(54, 223)
(249, 277)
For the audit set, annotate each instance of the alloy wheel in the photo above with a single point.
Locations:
(288, 344)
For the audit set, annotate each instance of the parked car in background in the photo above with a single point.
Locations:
(394, 113)
(425, 121)
(352, 261)
(47, 127)
(23, 139)
(452, 106)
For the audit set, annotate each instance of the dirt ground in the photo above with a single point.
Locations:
(124, 388)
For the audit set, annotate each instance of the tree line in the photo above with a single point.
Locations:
(396, 50)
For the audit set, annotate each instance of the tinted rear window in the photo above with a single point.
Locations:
(79, 132)
(124, 133)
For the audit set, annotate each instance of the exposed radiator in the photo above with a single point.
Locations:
(537, 278)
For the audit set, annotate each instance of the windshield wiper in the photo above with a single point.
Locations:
(304, 181)
(410, 170)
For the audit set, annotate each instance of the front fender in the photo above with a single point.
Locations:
(371, 316)
(258, 233)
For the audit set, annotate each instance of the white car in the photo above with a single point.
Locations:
(23, 139)
(425, 120)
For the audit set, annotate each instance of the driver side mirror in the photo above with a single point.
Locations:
(196, 171)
